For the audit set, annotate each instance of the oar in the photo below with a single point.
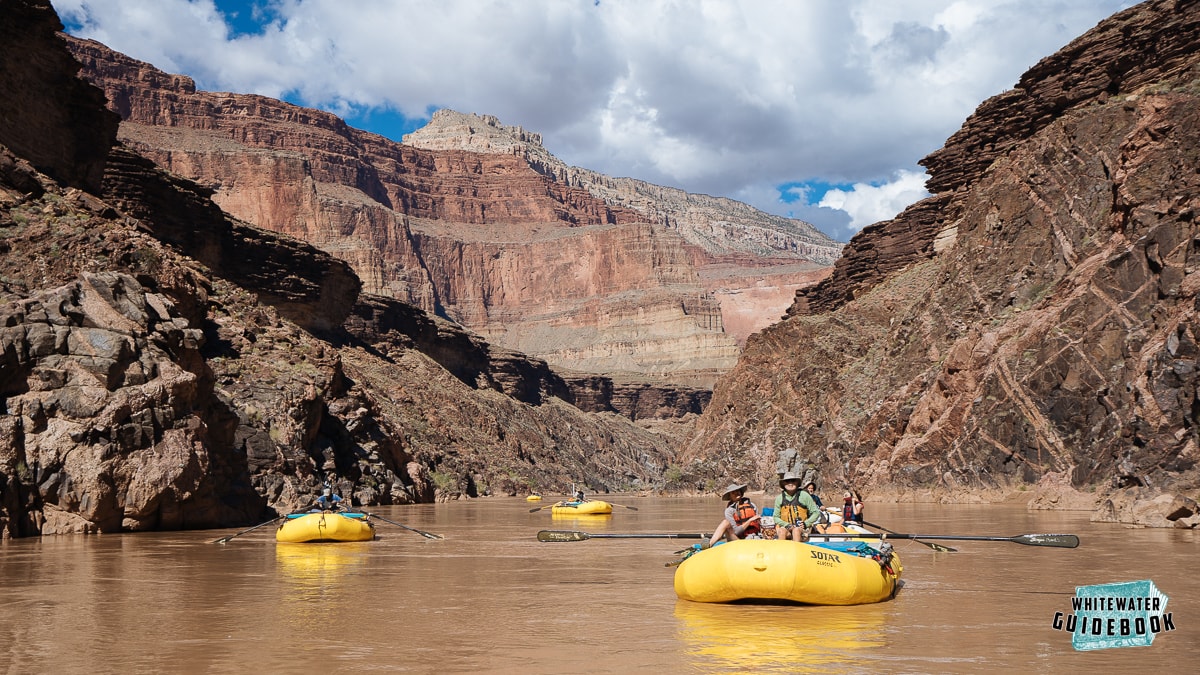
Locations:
(936, 547)
(423, 533)
(222, 540)
(550, 506)
(572, 535)
(1057, 540)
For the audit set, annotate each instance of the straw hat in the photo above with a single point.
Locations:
(733, 487)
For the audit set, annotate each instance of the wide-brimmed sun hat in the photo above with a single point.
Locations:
(733, 487)
(789, 477)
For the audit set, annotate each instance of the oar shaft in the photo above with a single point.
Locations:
(1055, 540)
(222, 540)
(423, 533)
(683, 535)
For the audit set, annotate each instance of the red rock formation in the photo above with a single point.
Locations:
(1032, 327)
(587, 272)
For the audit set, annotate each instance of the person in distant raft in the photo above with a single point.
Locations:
(329, 501)
(741, 516)
(795, 510)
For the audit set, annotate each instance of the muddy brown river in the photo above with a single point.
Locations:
(491, 598)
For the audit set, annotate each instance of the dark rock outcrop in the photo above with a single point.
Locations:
(48, 116)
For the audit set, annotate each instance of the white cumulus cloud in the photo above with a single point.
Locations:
(723, 97)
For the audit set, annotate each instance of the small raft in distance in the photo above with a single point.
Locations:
(591, 507)
(325, 526)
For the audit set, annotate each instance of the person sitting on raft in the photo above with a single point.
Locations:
(852, 510)
(328, 501)
(741, 516)
(795, 510)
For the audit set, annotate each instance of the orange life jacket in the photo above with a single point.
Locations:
(743, 511)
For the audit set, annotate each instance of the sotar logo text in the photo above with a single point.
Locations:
(821, 555)
(1127, 614)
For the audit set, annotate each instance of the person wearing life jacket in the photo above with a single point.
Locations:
(795, 510)
(741, 516)
(852, 507)
(328, 501)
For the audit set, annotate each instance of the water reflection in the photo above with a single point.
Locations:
(777, 638)
(311, 565)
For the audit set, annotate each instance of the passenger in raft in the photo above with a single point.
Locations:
(795, 510)
(741, 516)
(852, 507)
(328, 501)
(811, 489)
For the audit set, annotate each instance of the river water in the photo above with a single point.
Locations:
(491, 598)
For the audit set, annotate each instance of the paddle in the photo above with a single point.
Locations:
(572, 535)
(423, 533)
(222, 540)
(1056, 540)
(550, 506)
(936, 547)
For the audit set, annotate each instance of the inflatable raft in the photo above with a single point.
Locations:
(591, 507)
(325, 526)
(838, 573)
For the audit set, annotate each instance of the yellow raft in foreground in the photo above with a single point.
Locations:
(591, 507)
(325, 526)
(839, 573)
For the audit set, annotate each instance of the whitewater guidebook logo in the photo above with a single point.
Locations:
(1125, 614)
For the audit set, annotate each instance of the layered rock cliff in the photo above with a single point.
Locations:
(1031, 328)
(164, 365)
(592, 274)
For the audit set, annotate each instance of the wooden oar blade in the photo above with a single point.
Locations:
(1057, 540)
(562, 535)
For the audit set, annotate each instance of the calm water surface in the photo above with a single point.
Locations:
(491, 598)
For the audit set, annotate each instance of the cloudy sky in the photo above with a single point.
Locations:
(815, 109)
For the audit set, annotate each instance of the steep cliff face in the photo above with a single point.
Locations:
(1032, 324)
(164, 366)
(47, 116)
(470, 229)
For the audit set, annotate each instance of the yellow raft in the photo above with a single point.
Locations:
(840, 573)
(325, 526)
(533, 498)
(591, 507)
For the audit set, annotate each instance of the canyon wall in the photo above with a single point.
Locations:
(1027, 332)
(592, 274)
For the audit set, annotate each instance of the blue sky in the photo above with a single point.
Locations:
(814, 109)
